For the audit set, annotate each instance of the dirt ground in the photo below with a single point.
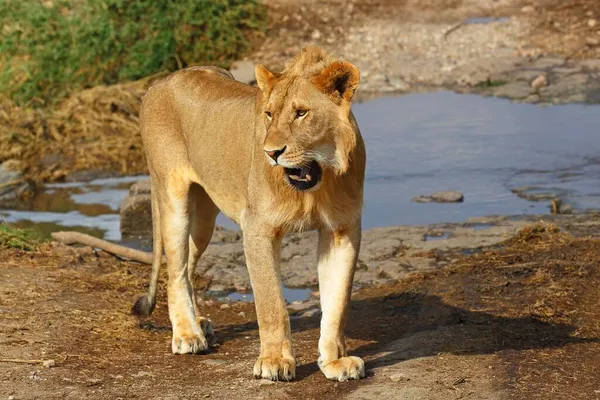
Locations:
(516, 321)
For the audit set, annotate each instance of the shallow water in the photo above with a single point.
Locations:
(416, 144)
(484, 147)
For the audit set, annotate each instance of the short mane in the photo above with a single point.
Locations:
(309, 62)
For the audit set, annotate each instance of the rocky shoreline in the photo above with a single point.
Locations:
(387, 254)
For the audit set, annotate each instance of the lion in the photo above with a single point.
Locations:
(284, 156)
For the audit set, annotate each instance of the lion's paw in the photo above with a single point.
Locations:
(344, 368)
(275, 368)
(189, 344)
(207, 328)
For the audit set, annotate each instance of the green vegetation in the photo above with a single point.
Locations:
(490, 84)
(24, 239)
(51, 48)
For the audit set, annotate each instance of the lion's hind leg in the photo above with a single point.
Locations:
(202, 214)
(174, 195)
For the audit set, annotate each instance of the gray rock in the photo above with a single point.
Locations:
(243, 71)
(136, 216)
(450, 196)
(514, 90)
(141, 187)
(13, 184)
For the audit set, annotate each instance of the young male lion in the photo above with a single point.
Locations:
(286, 156)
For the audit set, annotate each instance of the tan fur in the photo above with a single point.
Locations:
(206, 138)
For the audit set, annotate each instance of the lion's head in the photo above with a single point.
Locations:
(306, 112)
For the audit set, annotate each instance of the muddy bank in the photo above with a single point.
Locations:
(387, 254)
(505, 48)
(515, 321)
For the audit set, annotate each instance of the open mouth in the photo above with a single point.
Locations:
(306, 177)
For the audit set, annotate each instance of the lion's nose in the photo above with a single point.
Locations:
(274, 154)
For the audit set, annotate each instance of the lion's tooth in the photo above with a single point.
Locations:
(308, 178)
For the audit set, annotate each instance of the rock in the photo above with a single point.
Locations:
(243, 71)
(49, 363)
(214, 362)
(539, 82)
(513, 90)
(13, 184)
(399, 84)
(399, 377)
(242, 314)
(592, 22)
(450, 196)
(136, 216)
(265, 382)
(591, 41)
(316, 35)
(142, 374)
(225, 306)
(141, 187)
(527, 9)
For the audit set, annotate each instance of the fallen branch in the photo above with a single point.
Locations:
(118, 250)
(19, 361)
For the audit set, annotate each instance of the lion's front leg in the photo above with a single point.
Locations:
(338, 252)
(276, 361)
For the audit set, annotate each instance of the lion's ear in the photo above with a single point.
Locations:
(338, 80)
(264, 77)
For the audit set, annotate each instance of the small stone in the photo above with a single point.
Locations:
(214, 362)
(11, 397)
(399, 377)
(316, 35)
(590, 41)
(118, 377)
(34, 375)
(527, 9)
(93, 381)
(49, 363)
(450, 196)
(539, 82)
(242, 314)
(265, 382)
(225, 306)
(142, 374)
(592, 22)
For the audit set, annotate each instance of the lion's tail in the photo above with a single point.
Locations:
(146, 303)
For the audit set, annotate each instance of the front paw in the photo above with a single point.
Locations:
(189, 344)
(275, 368)
(343, 369)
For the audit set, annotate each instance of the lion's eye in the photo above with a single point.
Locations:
(301, 113)
(269, 115)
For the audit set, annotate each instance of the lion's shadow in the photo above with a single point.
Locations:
(407, 326)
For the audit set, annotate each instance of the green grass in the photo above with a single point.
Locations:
(491, 84)
(24, 239)
(54, 47)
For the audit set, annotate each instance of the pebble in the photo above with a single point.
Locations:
(592, 22)
(214, 362)
(539, 82)
(590, 41)
(527, 9)
(399, 377)
(266, 382)
(225, 306)
(450, 196)
(142, 374)
(49, 363)
(11, 397)
(242, 314)
(316, 35)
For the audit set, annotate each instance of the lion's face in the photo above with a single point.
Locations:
(305, 120)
